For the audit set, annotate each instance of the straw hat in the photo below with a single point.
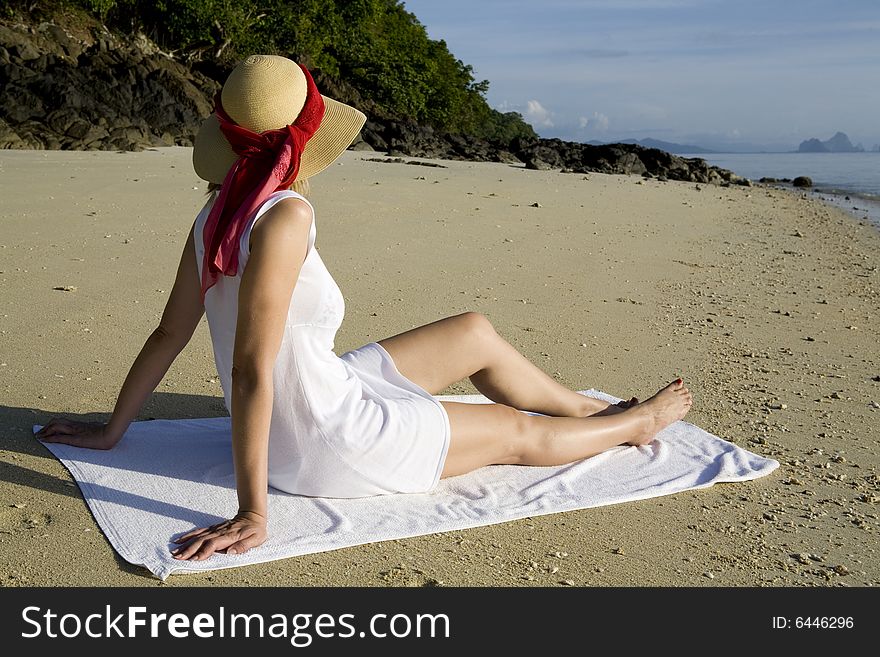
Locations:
(267, 92)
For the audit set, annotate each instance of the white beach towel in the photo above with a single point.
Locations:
(169, 476)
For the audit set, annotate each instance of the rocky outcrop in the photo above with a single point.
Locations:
(812, 145)
(94, 92)
(619, 158)
(401, 137)
(90, 89)
(839, 143)
(802, 181)
(545, 154)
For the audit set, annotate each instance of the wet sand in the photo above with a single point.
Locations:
(765, 301)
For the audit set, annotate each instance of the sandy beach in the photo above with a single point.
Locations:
(765, 301)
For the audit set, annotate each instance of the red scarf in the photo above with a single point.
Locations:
(266, 162)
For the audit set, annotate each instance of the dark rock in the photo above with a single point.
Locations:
(371, 134)
(69, 45)
(767, 179)
(426, 164)
(8, 137)
(360, 145)
(24, 51)
(21, 104)
(632, 159)
(542, 157)
(506, 157)
(409, 138)
(802, 181)
(59, 92)
(78, 129)
(629, 163)
(538, 164)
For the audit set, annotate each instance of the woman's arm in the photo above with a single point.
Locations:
(179, 320)
(279, 243)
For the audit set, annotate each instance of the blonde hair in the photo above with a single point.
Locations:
(298, 186)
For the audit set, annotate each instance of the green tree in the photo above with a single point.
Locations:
(375, 47)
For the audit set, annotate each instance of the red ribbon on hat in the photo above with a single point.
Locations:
(267, 162)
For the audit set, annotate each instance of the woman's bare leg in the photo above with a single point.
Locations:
(451, 349)
(486, 434)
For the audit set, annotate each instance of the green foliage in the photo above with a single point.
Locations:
(99, 8)
(508, 126)
(376, 46)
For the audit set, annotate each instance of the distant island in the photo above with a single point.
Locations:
(839, 143)
(668, 146)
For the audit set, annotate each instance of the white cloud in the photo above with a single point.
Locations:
(598, 122)
(538, 115)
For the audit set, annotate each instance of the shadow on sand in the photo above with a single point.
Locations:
(30, 462)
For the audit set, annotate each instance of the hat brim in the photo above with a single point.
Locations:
(213, 156)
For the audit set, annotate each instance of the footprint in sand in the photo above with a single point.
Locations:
(13, 520)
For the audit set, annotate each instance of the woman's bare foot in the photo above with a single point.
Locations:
(669, 405)
(619, 407)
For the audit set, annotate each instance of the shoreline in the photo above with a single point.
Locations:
(763, 300)
(835, 175)
(868, 208)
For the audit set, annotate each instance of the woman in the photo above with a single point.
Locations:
(303, 419)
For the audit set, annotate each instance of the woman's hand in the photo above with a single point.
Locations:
(93, 435)
(236, 536)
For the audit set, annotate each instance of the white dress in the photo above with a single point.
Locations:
(342, 426)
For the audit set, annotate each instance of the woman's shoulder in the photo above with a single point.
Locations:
(289, 217)
(284, 194)
(287, 202)
(290, 205)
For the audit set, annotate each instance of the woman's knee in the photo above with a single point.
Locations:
(487, 433)
(477, 324)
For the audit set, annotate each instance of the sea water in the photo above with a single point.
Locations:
(835, 176)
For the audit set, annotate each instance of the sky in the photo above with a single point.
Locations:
(734, 75)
